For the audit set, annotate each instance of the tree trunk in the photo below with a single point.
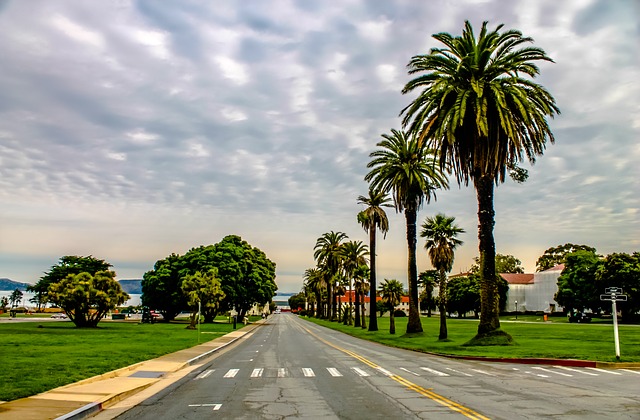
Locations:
(443, 307)
(357, 310)
(373, 293)
(413, 324)
(489, 296)
(363, 309)
(329, 311)
(392, 322)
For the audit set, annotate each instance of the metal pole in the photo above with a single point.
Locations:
(615, 325)
(199, 307)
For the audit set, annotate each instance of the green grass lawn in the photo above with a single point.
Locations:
(34, 359)
(555, 339)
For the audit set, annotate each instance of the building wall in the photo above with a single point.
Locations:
(537, 296)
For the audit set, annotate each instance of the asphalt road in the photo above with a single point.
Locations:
(290, 368)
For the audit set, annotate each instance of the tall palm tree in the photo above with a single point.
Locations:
(391, 292)
(354, 254)
(405, 167)
(372, 218)
(428, 279)
(327, 254)
(483, 117)
(314, 286)
(441, 233)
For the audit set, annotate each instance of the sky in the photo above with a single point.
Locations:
(130, 130)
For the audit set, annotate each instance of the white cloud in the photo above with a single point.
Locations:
(232, 69)
(78, 32)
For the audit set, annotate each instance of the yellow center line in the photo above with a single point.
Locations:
(465, 411)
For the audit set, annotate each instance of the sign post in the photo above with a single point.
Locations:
(614, 294)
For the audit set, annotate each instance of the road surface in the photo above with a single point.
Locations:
(290, 368)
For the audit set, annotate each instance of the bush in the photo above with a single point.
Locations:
(399, 313)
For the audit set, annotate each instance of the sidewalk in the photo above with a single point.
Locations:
(90, 396)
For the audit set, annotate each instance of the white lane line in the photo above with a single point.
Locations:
(231, 373)
(551, 371)
(576, 370)
(483, 372)
(216, 407)
(334, 372)
(605, 371)
(205, 374)
(433, 371)
(308, 372)
(535, 374)
(360, 372)
(457, 371)
(637, 372)
(257, 373)
(408, 371)
(282, 372)
(384, 371)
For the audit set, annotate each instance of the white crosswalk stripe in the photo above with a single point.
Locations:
(584, 372)
(205, 374)
(231, 373)
(334, 372)
(483, 372)
(308, 372)
(360, 372)
(457, 371)
(605, 371)
(433, 371)
(637, 372)
(282, 372)
(257, 373)
(551, 371)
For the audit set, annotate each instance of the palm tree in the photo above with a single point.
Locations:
(354, 254)
(327, 254)
(483, 118)
(406, 168)
(314, 288)
(441, 233)
(372, 218)
(391, 292)
(428, 279)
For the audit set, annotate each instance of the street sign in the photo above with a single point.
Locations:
(613, 290)
(614, 297)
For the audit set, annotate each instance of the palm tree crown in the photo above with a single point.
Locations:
(441, 234)
(474, 106)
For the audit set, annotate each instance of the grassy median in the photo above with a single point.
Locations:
(36, 357)
(554, 339)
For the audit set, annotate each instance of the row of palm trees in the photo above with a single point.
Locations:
(476, 116)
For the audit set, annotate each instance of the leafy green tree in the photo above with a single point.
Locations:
(314, 286)
(329, 258)
(87, 298)
(556, 255)
(353, 255)
(463, 294)
(441, 234)
(69, 264)
(391, 292)
(361, 287)
(623, 271)
(372, 218)
(428, 279)
(577, 288)
(203, 289)
(404, 167)
(15, 298)
(297, 301)
(483, 117)
(504, 264)
(4, 302)
(162, 287)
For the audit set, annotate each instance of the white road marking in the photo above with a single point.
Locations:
(231, 373)
(282, 372)
(360, 372)
(308, 372)
(205, 374)
(433, 371)
(535, 374)
(637, 372)
(334, 372)
(385, 372)
(483, 372)
(551, 371)
(257, 373)
(576, 370)
(216, 407)
(457, 371)
(408, 371)
(605, 371)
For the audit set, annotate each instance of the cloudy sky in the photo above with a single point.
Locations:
(131, 130)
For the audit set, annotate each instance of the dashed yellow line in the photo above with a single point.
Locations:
(465, 411)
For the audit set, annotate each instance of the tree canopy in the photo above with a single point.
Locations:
(556, 255)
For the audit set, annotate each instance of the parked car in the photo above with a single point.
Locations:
(579, 317)
(59, 316)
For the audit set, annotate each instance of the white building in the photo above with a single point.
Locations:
(533, 292)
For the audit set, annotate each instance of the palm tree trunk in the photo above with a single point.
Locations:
(489, 309)
(329, 312)
(392, 322)
(357, 309)
(443, 307)
(363, 309)
(413, 324)
(373, 294)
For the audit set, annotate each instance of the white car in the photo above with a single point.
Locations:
(59, 316)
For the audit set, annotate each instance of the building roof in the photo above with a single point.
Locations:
(558, 267)
(517, 278)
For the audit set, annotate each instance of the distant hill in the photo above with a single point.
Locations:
(8, 284)
(131, 286)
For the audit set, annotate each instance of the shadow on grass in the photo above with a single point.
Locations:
(493, 338)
